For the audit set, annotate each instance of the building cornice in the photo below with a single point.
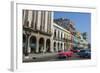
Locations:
(56, 25)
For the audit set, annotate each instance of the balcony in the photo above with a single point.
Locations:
(45, 33)
(30, 29)
(59, 39)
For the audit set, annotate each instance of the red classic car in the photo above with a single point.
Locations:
(74, 50)
(65, 54)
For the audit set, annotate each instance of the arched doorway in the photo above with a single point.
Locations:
(54, 46)
(24, 44)
(61, 46)
(41, 44)
(48, 45)
(33, 44)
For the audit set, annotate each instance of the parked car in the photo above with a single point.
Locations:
(74, 50)
(65, 54)
(84, 53)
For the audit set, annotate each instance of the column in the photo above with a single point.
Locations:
(37, 44)
(59, 35)
(57, 46)
(39, 20)
(56, 33)
(51, 45)
(43, 21)
(33, 19)
(25, 17)
(60, 46)
(41, 25)
(46, 20)
(28, 47)
(44, 50)
(51, 21)
(30, 17)
(63, 36)
(63, 46)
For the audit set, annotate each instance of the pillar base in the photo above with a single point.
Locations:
(26, 57)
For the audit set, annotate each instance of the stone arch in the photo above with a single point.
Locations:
(33, 43)
(48, 45)
(54, 44)
(41, 44)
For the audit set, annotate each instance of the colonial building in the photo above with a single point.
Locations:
(60, 38)
(82, 43)
(37, 31)
(69, 26)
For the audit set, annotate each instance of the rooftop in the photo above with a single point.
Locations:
(65, 23)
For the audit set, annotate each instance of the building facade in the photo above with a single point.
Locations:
(82, 43)
(69, 26)
(60, 38)
(37, 32)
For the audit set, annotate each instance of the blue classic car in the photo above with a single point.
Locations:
(84, 53)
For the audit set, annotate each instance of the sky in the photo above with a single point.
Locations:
(82, 21)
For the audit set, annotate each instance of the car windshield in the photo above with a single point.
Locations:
(88, 50)
(82, 50)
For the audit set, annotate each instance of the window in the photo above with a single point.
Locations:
(54, 33)
(58, 34)
(61, 35)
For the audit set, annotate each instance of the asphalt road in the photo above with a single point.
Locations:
(49, 57)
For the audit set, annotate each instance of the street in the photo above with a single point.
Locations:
(49, 57)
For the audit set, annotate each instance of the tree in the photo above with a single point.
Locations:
(84, 35)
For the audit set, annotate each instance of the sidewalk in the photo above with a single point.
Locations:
(40, 57)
